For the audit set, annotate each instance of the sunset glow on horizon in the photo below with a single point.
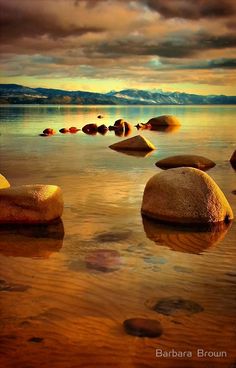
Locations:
(103, 45)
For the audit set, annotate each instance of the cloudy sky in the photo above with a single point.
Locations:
(101, 45)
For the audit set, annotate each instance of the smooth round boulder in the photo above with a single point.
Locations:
(31, 204)
(4, 183)
(199, 162)
(163, 120)
(185, 196)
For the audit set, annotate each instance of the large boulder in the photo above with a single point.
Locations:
(30, 204)
(199, 162)
(137, 143)
(185, 196)
(4, 183)
(163, 121)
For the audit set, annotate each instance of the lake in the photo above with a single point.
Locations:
(66, 290)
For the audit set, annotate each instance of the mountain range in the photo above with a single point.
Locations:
(18, 94)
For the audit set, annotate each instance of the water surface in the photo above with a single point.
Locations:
(65, 294)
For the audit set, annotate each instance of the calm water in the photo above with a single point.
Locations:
(66, 294)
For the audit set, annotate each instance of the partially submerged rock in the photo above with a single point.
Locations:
(90, 129)
(30, 204)
(49, 131)
(121, 127)
(4, 183)
(185, 196)
(199, 162)
(164, 120)
(64, 130)
(137, 143)
(102, 129)
(73, 130)
(233, 157)
(143, 327)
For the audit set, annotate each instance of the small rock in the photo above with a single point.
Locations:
(234, 192)
(49, 131)
(4, 183)
(73, 130)
(164, 120)
(137, 143)
(143, 327)
(102, 129)
(185, 196)
(64, 131)
(36, 339)
(99, 116)
(199, 162)
(103, 260)
(90, 129)
(30, 204)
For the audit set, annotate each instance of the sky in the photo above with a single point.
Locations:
(103, 45)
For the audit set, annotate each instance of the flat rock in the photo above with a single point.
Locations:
(185, 196)
(30, 204)
(163, 120)
(199, 162)
(143, 327)
(4, 183)
(137, 143)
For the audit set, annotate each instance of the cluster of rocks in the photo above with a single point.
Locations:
(29, 204)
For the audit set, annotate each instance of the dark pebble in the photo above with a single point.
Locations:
(36, 339)
(169, 306)
(143, 327)
(112, 237)
(234, 192)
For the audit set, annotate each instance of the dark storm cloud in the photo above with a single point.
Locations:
(27, 21)
(192, 9)
(178, 47)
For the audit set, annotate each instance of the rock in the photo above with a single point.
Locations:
(137, 143)
(90, 129)
(143, 327)
(49, 131)
(199, 162)
(233, 157)
(111, 128)
(103, 260)
(73, 130)
(4, 183)
(30, 204)
(122, 127)
(185, 196)
(164, 120)
(64, 130)
(169, 306)
(102, 129)
(99, 116)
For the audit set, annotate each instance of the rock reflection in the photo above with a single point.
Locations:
(31, 241)
(184, 239)
(166, 129)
